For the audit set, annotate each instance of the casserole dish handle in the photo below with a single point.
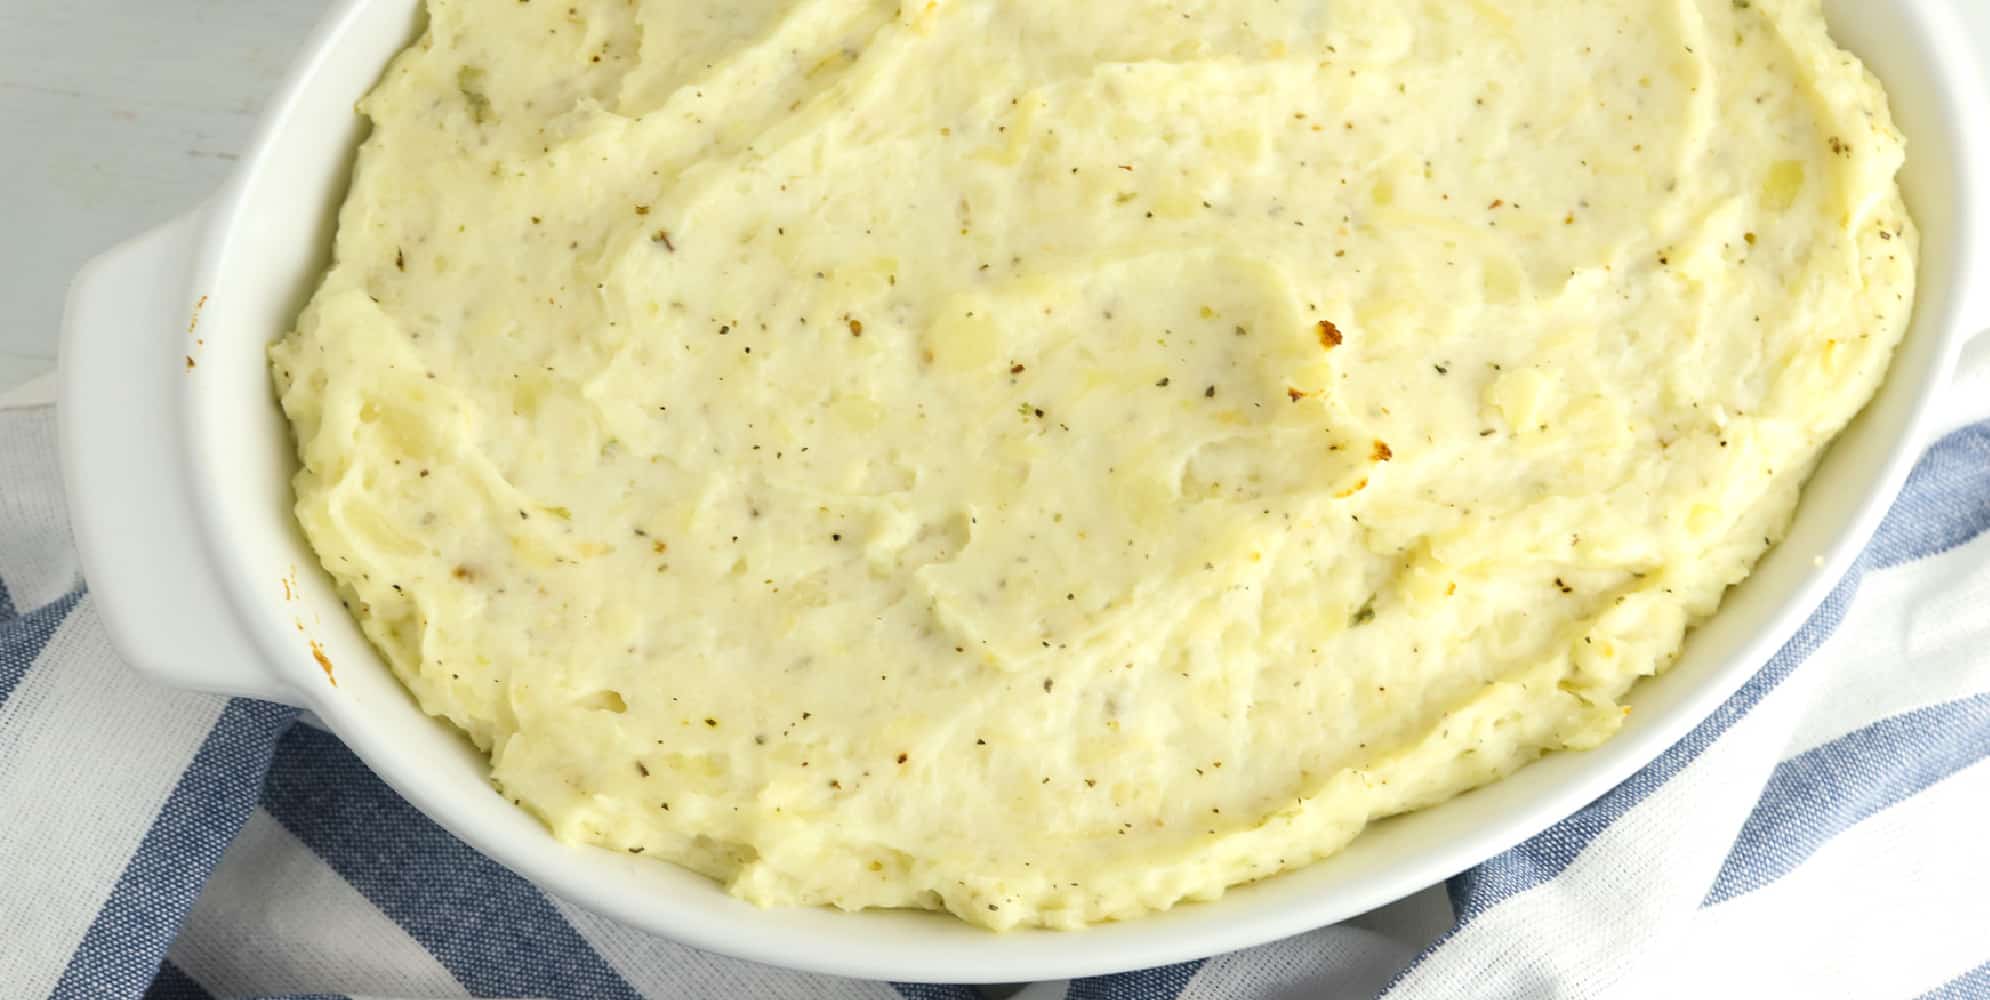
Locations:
(129, 347)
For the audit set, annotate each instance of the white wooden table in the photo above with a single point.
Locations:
(118, 114)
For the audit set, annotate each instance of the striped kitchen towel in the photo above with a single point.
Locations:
(1825, 834)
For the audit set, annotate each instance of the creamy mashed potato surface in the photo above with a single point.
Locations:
(1052, 460)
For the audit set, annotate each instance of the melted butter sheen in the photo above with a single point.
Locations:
(1049, 461)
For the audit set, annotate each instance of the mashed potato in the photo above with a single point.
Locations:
(1049, 460)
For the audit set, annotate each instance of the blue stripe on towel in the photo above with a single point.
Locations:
(490, 928)
(1164, 983)
(1945, 504)
(121, 952)
(935, 991)
(172, 984)
(23, 637)
(1822, 792)
(1971, 985)
(1948, 486)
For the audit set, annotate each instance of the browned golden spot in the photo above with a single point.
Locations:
(856, 328)
(1297, 394)
(194, 323)
(659, 547)
(1352, 490)
(1381, 452)
(464, 573)
(1330, 337)
(189, 362)
(324, 662)
(642, 210)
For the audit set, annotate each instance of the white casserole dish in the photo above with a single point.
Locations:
(178, 465)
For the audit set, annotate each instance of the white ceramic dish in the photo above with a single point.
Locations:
(178, 465)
